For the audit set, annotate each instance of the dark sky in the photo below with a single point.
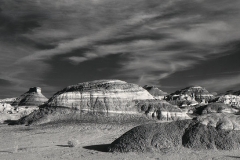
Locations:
(168, 43)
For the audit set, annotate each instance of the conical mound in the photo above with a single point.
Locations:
(33, 97)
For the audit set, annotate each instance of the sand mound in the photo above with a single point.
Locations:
(164, 137)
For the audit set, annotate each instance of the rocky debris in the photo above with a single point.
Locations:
(199, 133)
(33, 97)
(220, 121)
(233, 100)
(161, 110)
(107, 96)
(155, 92)
(8, 112)
(8, 100)
(7, 108)
(191, 95)
(217, 108)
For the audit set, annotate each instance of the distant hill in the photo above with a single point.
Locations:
(155, 92)
(193, 93)
(33, 97)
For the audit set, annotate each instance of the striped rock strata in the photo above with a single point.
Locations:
(33, 97)
(111, 96)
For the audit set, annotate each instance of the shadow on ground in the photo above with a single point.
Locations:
(5, 152)
(11, 122)
(237, 157)
(100, 147)
(63, 146)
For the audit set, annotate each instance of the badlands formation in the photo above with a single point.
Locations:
(106, 98)
(15, 108)
(155, 92)
(115, 116)
(216, 131)
(109, 96)
(231, 98)
(33, 97)
(191, 96)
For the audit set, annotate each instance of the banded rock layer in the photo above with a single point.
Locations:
(233, 100)
(190, 94)
(33, 97)
(111, 96)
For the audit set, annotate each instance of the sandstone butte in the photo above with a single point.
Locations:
(33, 97)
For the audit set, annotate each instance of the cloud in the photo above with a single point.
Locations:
(158, 38)
(219, 84)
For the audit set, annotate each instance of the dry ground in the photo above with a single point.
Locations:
(90, 139)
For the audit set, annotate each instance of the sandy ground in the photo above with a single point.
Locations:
(90, 140)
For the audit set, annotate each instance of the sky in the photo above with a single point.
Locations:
(171, 44)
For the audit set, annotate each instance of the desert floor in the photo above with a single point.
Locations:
(90, 139)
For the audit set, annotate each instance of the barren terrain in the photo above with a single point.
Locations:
(89, 141)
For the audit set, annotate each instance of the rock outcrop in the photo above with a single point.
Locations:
(106, 96)
(155, 92)
(191, 96)
(8, 100)
(233, 100)
(218, 108)
(223, 134)
(110, 99)
(33, 97)
(161, 110)
(220, 121)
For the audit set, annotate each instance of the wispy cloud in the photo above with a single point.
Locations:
(220, 84)
(159, 38)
